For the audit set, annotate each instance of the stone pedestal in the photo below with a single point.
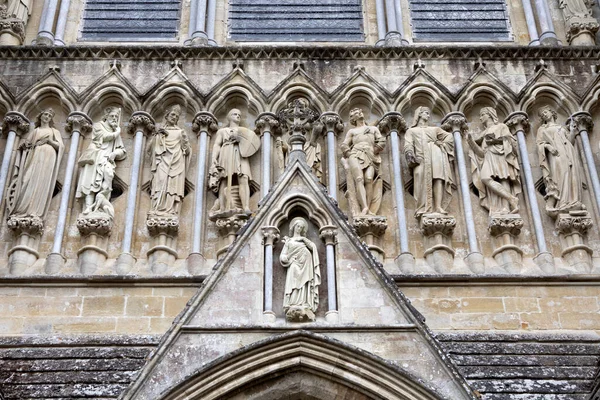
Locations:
(438, 229)
(581, 31)
(163, 230)
(12, 30)
(504, 229)
(27, 231)
(299, 314)
(572, 229)
(370, 228)
(228, 228)
(95, 228)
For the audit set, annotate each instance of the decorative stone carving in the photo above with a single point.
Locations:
(270, 235)
(16, 122)
(228, 228)
(581, 25)
(438, 229)
(572, 229)
(13, 18)
(100, 225)
(504, 228)
(78, 122)
(300, 257)
(31, 187)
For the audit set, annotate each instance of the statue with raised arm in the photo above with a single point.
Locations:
(561, 168)
(495, 166)
(429, 151)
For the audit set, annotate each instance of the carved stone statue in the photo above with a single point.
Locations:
(429, 152)
(361, 149)
(561, 168)
(300, 257)
(169, 151)
(35, 170)
(229, 174)
(18, 9)
(581, 25)
(495, 166)
(312, 148)
(98, 165)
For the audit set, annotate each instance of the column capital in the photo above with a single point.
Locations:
(141, 121)
(328, 234)
(204, 121)
(518, 121)
(455, 122)
(16, 122)
(332, 122)
(582, 121)
(392, 121)
(80, 122)
(270, 235)
(267, 122)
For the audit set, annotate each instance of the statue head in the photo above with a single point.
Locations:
(489, 111)
(234, 115)
(355, 115)
(421, 113)
(172, 114)
(46, 114)
(547, 113)
(300, 224)
(112, 115)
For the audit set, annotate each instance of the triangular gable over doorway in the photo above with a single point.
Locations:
(384, 349)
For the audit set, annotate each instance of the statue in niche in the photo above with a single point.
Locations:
(495, 166)
(429, 152)
(98, 163)
(169, 151)
(559, 160)
(361, 149)
(229, 175)
(35, 170)
(312, 149)
(300, 257)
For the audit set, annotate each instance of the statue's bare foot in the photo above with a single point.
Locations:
(365, 211)
(87, 210)
(441, 211)
(247, 211)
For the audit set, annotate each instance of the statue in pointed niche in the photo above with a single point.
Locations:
(429, 152)
(301, 259)
(361, 153)
(495, 166)
(98, 163)
(230, 175)
(35, 169)
(561, 169)
(169, 151)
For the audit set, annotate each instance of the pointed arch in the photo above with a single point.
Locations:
(308, 352)
(591, 98)
(315, 213)
(50, 86)
(112, 87)
(220, 98)
(423, 87)
(7, 100)
(175, 87)
(545, 86)
(474, 92)
(372, 94)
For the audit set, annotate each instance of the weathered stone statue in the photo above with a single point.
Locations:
(14, 15)
(495, 166)
(361, 149)
(581, 25)
(312, 148)
(98, 165)
(169, 151)
(561, 168)
(230, 173)
(300, 257)
(35, 170)
(429, 152)
(18, 9)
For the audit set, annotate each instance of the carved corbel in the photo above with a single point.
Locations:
(582, 121)
(15, 122)
(205, 122)
(267, 122)
(141, 121)
(518, 122)
(438, 230)
(78, 122)
(332, 123)
(328, 234)
(370, 228)
(572, 230)
(271, 235)
(392, 122)
(581, 25)
(504, 229)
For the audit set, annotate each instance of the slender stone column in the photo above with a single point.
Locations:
(143, 125)
(582, 121)
(548, 36)
(77, 123)
(456, 122)
(15, 124)
(204, 125)
(518, 123)
(198, 35)
(266, 123)
(270, 236)
(393, 36)
(328, 234)
(45, 35)
(392, 123)
(381, 25)
(210, 25)
(531, 25)
(61, 24)
(333, 126)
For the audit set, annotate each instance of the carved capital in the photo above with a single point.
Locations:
(230, 226)
(455, 122)
(579, 27)
(30, 225)
(433, 224)
(266, 122)
(11, 25)
(16, 122)
(517, 121)
(501, 224)
(568, 224)
(582, 121)
(141, 121)
(370, 225)
(270, 235)
(162, 225)
(94, 225)
(78, 121)
(328, 234)
(205, 122)
(332, 122)
(392, 121)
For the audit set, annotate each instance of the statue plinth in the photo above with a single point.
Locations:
(228, 228)
(164, 230)
(95, 228)
(438, 229)
(504, 228)
(27, 231)
(370, 228)
(299, 314)
(572, 228)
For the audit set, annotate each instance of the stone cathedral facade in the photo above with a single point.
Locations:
(357, 199)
